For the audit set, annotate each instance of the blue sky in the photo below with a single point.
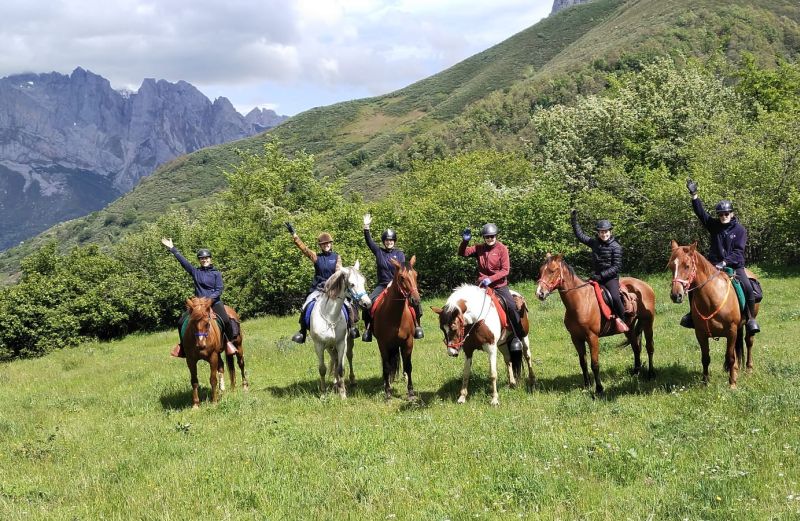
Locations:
(285, 55)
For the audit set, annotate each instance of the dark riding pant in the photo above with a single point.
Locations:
(504, 294)
(612, 285)
(231, 327)
(747, 287)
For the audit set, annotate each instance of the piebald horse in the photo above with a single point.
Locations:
(470, 322)
(714, 307)
(582, 314)
(328, 327)
(202, 340)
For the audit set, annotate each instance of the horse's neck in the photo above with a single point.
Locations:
(394, 301)
(330, 307)
(705, 271)
(571, 294)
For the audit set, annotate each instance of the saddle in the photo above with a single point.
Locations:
(501, 310)
(380, 298)
(758, 293)
(604, 301)
(310, 308)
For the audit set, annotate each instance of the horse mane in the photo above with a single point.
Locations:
(336, 284)
(198, 307)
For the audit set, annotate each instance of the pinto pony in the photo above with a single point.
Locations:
(582, 316)
(202, 340)
(328, 326)
(393, 324)
(714, 307)
(470, 321)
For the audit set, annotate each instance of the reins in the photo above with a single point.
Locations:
(459, 344)
(691, 278)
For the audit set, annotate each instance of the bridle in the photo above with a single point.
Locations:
(690, 279)
(559, 281)
(457, 343)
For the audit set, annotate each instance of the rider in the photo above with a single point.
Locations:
(606, 262)
(326, 263)
(728, 240)
(208, 284)
(385, 272)
(494, 267)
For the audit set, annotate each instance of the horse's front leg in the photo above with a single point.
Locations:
(192, 364)
(408, 349)
(465, 377)
(512, 380)
(730, 357)
(705, 357)
(321, 367)
(647, 327)
(350, 360)
(231, 370)
(493, 374)
(594, 351)
(341, 350)
(221, 369)
(388, 373)
(580, 348)
(636, 347)
(213, 361)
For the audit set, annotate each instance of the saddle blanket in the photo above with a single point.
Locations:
(379, 299)
(310, 308)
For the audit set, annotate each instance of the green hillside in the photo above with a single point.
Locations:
(484, 101)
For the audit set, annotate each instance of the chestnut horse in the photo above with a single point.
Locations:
(469, 321)
(582, 314)
(393, 324)
(202, 340)
(714, 307)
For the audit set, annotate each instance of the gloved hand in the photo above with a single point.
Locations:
(466, 234)
(720, 265)
(691, 186)
(289, 227)
(367, 221)
(573, 214)
(485, 283)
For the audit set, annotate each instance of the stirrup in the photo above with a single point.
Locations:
(752, 327)
(354, 332)
(367, 336)
(419, 333)
(515, 345)
(299, 337)
(687, 322)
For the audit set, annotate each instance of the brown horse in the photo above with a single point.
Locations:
(714, 307)
(582, 314)
(470, 322)
(202, 340)
(393, 324)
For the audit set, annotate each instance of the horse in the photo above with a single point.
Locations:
(328, 326)
(393, 324)
(202, 340)
(582, 316)
(714, 307)
(470, 321)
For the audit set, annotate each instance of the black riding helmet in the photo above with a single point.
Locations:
(724, 206)
(489, 229)
(203, 252)
(602, 225)
(388, 235)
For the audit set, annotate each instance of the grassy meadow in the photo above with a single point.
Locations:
(106, 431)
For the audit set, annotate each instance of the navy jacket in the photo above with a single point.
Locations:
(324, 267)
(207, 281)
(606, 256)
(382, 256)
(727, 240)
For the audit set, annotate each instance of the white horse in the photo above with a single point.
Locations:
(328, 327)
(470, 321)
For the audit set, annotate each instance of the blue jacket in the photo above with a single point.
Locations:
(727, 240)
(207, 281)
(324, 267)
(384, 266)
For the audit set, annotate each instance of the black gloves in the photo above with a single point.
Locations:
(691, 186)
(289, 227)
(466, 235)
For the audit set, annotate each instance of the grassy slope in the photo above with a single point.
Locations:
(105, 430)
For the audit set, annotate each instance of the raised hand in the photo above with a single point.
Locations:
(167, 242)
(466, 235)
(289, 227)
(691, 186)
(367, 220)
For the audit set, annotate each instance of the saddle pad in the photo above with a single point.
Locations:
(220, 324)
(605, 310)
(737, 287)
(310, 308)
(501, 311)
(379, 299)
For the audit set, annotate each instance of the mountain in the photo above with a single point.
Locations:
(558, 5)
(69, 145)
(481, 102)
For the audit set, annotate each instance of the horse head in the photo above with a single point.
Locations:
(405, 278)
(451, 322)
(200, 315)
(683, 265)
(355, 282)
(551, 275)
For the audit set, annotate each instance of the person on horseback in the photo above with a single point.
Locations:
(326, 263)
(494, 267)
(385, 271)
(728, 241)
(606, 262)
(207, 283)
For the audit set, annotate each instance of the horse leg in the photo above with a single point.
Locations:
(350, 361)
(231, 370)
(321, 367)
(749, 341)
(730, 356)
(531, 382)
(512, 381)
(341, 349)
(388, 373)
(636, 347)
(221, 371)
(240, 361)
(580, 347)
(705, 357)
(594, 351)
(213, 361)
(407, 369)
(195, 383)
(462, 397)
(648, 338)
(493, 374)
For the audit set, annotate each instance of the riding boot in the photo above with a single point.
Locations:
(300, 336)
(367, 336)
(751, 325)
(622, 327)
(686, 320)
(354, 332)
(177, 351)
(515, 345)
(418, 332)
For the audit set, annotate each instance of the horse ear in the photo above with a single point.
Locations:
(673, 245)
(693, 247)
(356, 265)
(436, 310)
(395, 263)
(547, 256)
(188, 303)
(412, 261)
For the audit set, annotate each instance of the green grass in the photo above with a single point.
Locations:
(106, 430)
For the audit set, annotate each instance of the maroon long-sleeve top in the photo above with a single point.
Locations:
(493, 262)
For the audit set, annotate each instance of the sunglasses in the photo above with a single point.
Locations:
(724, 214)
(489, 236)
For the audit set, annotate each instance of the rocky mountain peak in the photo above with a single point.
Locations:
(559, 5)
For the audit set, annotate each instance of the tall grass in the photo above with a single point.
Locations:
(106, 430)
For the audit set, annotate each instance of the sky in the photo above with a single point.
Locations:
(288, 56)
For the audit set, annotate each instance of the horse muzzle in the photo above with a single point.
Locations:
(452, 351)
(540, 294)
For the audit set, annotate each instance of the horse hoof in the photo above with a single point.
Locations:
(733, 387)
(461, 399)
(495, 402)
(195, 407)
(245, 387)
(512, 385)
